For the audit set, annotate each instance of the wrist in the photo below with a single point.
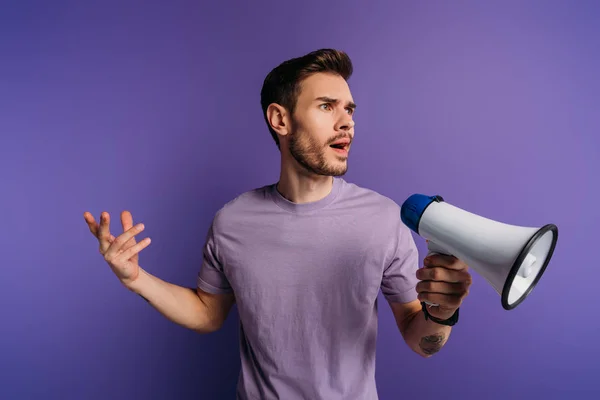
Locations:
(136, 285)
(445, 320)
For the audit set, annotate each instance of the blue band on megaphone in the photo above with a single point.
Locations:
(412, 209)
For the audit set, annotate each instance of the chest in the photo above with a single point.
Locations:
(291, 258)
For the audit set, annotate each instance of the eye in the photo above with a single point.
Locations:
(326, 105)
(350, 110)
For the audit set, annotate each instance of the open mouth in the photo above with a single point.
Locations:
(341, 145)
(341, 148)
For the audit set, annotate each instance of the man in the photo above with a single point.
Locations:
(305, 258)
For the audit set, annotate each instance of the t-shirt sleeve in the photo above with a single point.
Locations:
(211, 277)
(399, 276)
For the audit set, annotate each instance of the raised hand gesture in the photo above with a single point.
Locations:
(121, 253)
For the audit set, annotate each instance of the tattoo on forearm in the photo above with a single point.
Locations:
(432, 344)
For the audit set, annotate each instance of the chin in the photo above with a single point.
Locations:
(342, 173)
(338, 170)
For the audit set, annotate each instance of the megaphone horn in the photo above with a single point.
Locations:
(512, 259)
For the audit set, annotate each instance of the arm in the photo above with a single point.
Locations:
(197, 310)
(445, 281)
(424, 337)
(400, 285)
(203, 309)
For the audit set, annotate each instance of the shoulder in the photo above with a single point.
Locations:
(371, 199)
(380, 215)
(245, 204)
(380, 210)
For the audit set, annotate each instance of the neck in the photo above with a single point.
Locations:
(300, 186)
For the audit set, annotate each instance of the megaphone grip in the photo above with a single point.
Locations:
(434, 248)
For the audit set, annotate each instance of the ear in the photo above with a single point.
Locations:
(278, 119)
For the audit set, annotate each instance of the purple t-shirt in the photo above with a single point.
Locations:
(306, 279)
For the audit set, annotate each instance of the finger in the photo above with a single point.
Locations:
(133, 250)
(91, 222)
(443, 300)
(444, 260)
(119, 242)
(127, 222)
(98, 230)
(441, 287)
(104, 231)
(443, 275)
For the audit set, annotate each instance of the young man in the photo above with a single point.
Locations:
(305, 258)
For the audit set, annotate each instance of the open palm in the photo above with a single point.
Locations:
(122, 252)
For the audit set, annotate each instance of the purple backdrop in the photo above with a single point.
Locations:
(155, 109)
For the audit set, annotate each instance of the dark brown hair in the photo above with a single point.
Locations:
(282, 84)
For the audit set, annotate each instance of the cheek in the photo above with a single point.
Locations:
(313, 128)
(320, 126)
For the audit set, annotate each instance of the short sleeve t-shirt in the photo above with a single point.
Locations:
(306, 279)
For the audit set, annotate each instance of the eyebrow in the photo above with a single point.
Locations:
(335, 101)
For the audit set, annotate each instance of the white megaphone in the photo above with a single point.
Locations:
(510, 258)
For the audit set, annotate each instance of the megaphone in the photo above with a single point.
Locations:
(512, 259)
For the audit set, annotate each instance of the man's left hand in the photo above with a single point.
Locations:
(445, 281)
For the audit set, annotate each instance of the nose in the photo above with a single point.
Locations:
(345, 124)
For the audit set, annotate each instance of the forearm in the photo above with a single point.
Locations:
(179, 304)
(426, 337)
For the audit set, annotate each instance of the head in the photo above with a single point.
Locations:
(309, 110)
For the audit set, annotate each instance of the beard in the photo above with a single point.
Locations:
(312, 156)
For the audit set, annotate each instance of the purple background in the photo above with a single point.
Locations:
(155, 109)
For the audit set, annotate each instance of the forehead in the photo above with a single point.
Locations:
(324, 85)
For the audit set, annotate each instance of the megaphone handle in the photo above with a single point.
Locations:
(434, 249)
